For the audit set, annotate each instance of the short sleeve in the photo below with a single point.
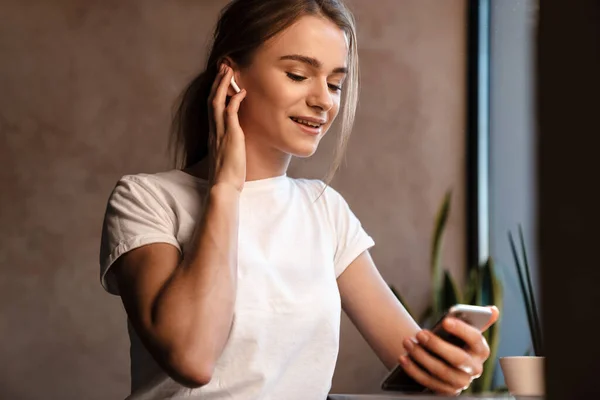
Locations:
(134, 217)
(351, 238)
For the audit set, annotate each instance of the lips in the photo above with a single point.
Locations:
(309, 122)
(307, 129)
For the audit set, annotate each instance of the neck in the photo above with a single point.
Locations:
(261, 163)
(264, 162)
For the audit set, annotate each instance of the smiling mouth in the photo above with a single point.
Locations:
(306, 123)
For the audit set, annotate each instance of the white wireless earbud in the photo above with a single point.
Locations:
(234, 85)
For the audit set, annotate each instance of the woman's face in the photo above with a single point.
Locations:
(294, 79)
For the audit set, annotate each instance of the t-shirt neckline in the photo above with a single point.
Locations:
(255, 185)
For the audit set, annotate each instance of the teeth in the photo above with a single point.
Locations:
(305, 122)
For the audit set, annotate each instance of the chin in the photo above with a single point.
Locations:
(305, 153)
(300, 151)
(303, 148)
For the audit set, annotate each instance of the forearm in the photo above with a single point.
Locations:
(374, 310)
(193, 313)
(386, 328)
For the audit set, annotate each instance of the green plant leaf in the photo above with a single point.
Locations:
(495, 296)
(526, 298)
(501, 389)
(436, 253)
(426, 318)
(491, 292)
(485, 284)
(532, 301)
(450, 293)
(472, 289)
(489, 366)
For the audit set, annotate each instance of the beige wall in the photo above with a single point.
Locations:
(85, 94)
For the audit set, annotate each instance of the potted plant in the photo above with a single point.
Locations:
(482, 288)
(524, 375)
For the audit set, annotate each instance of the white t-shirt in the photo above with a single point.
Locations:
(292, 246)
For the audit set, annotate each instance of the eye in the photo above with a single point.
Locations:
(299, 78)
(295, 77)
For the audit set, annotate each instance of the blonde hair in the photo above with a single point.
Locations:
(243, 26)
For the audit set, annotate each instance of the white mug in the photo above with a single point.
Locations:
(524, 376)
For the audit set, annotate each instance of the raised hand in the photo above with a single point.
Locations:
(226, 138)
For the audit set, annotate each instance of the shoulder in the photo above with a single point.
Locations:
(163, 180)
(161, 187)
(135, 188)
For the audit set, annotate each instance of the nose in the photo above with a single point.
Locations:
(320, 96)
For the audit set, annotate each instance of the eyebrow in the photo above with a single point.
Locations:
(313, 62)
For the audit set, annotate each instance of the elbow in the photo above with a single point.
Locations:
(190, 363)
(193, 379)
(192, 372)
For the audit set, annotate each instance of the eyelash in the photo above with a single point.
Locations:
(298, 78)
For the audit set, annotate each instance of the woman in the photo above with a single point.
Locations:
(232, 274)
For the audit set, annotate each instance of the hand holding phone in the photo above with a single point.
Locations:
(476, 316)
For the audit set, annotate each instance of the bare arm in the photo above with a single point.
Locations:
(392, 332)
(374, 310)
(182, 310)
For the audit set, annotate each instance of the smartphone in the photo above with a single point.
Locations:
(399, 381)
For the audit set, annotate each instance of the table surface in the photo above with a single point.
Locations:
(399, 396)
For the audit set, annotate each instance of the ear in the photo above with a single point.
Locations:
(236, 75)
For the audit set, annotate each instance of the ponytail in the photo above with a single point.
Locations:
(190, 125)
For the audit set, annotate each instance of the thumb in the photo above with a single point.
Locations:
(493, 318)
(233, 108)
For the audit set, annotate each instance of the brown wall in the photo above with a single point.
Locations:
(85, 96)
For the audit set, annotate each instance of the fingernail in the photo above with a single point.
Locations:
(423, 337)
(450, 323)
(403, 360)
(466, 369)
(409, 344)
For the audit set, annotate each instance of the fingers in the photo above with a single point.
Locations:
(232, 110)
(437, 368)
(493, 318)
(453, 355)
(217, 99)
(215, 84)
(211, 96)
(425, 379)
(472, 336)
(455, 368)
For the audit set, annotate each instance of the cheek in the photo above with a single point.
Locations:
(286, 96)
(273, 98)
(333, 113)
